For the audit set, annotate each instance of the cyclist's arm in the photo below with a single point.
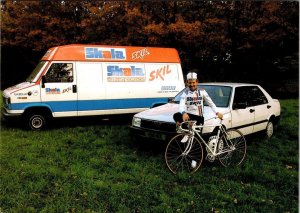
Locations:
(209, 101)
(182, 103)
(211, 104)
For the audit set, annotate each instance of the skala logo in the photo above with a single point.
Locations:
(124, 71)
(105, 53)
(52, 91)
(160, 73)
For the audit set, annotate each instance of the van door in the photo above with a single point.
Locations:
(91, 89)
(59, 89)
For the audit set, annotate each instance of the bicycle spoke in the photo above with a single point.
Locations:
(233, 139)
(180, 155)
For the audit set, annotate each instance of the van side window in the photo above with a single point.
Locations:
(60, 72)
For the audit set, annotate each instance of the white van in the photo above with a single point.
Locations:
(83, 80)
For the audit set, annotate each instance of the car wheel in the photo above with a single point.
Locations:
(269, 129)
(36, 121)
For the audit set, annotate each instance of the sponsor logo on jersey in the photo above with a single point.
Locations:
(194, 101)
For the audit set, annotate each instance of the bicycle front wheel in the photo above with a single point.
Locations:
(184, 153)
(233, 146)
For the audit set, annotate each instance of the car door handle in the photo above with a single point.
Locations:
(268, 106)
(252, 110)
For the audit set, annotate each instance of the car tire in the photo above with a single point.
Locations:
(269, 129)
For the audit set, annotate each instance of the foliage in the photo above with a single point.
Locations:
(94, 165)
(217, 27)
(224, 40)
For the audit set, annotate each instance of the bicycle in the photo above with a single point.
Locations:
(184, 151)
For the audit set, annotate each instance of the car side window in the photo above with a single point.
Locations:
(257, 97)
(241, 97)
(60, 72)
(250, 96)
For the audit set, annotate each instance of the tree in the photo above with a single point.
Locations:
(229, 39)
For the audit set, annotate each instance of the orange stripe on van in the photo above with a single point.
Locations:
(82, 52)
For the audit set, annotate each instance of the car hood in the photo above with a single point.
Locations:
(165, 113)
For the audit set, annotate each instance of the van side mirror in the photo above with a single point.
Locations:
(170, 100)
(43, 81)
(240, 105)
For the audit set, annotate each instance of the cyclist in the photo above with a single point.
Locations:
(191, 102)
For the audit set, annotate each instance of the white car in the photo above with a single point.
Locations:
(246, 107)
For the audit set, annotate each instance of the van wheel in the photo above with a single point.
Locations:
(36, 121)
(269, 129)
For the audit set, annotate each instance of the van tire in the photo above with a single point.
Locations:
(36, 121)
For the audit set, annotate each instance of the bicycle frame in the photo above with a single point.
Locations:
(196, 129)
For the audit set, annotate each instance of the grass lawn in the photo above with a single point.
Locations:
(97, 167)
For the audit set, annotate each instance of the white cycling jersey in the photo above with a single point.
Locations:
(192, 102)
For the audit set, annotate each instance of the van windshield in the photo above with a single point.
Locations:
(220, 95)
(33, 76)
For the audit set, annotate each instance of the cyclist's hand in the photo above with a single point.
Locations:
(220, 115)
(185, 117)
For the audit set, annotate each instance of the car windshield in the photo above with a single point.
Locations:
(33, 75)
(220, 95)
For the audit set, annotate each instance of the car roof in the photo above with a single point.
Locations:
(230, 84)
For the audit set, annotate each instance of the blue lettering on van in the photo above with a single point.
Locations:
(105, 53)
(50, 91)
(125, 71)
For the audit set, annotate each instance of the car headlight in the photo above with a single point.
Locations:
(136, 122)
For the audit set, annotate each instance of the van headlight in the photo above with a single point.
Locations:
(6, 101)
(136, 122)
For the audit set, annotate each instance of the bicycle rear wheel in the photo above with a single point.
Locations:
(175, 158)
(233, 144)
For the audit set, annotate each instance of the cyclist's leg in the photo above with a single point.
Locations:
(178, 119)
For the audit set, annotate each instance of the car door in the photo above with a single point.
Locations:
(59, 90)
(243, 113)
(261, 107)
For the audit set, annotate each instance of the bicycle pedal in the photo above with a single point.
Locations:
(185, 139)
(210, 158)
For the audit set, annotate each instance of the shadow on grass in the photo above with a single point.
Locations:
(147, 146)
(58, 123)
(102, 120)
